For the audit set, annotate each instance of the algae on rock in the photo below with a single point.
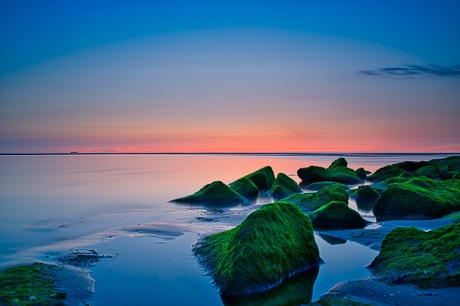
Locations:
(425, 259)
(215, 193)
(336, 215)
(309, 202)
(271, 244)
(284, 186)
(336, 172)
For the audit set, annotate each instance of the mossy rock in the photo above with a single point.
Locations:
(216, 193)
(339, 174)
(339, 162)
(366, 196)
(309, 202)
(425, 259)
(270, 245)
(361, 173)
(336, 215)
(262, 178)
(18, 284)
(284, 186)
(317, 186)
(431, 171)
(418, 198)
(245, 187)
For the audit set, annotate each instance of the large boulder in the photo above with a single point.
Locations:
(262, 178)
(339, 174)
(425, 259)
(418, 198)
(284, 186)
(336, 215)
(245, 187)
(216, 193)
(309, 202)
(271, 244)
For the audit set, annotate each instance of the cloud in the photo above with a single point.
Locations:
(409, 71)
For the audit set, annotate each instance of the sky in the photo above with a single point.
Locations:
(229, 76)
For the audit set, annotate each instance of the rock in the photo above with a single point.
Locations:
(317, 186)
(336, 215)
(284, 186)
(366, 196)
(216, 193)
(262, 178)
(431, 171)
(338, 174)
(339, 162)
(425, 259)
(271, 244)
(309, 202)
(418, 198)
(32, 298)
(361, 173)
(245, 187)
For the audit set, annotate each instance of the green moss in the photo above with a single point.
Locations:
(339, 162)
(339, 174)
(336, 215)
(318, 185)
(216, 193)
(245, 187)
(361, 173)
(365, 197)
(309, 202)
(18, 284)
(262, 178)
(284, 186)
(270, 245)
(418, 198)
(425, 259)
(431, 171)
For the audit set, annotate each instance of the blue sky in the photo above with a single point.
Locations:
(229, 76)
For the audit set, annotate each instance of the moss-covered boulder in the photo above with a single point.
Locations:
(309, 202)
(284, 186)
(339, 174)
(271, 244)
(336, 215)
(339, 162)
(365, 197)
(317, 186)
(245, 187)
(431, 171)
(418, 198)
(361, 173)
(425, 259)
(262, 178)
(216, 193)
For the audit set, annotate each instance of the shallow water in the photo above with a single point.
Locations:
(118, 204)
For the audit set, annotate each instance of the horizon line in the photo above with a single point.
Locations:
(227, 153)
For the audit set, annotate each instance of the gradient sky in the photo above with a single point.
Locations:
(231, 76)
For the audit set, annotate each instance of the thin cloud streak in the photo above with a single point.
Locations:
(413, 71)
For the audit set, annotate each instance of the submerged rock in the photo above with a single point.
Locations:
(271, 244)
(425, 259)
(216, 193)
(309, 202)
(336, 215)
(418, 198)
(284, 186)
(337, 172)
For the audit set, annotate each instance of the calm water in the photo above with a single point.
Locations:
(118, 205)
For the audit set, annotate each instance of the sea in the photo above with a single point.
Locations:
(119, 206)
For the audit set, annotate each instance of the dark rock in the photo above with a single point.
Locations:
(317, 186)
(271, 244)
(413, 256)
(339, 162)
(284, 186)
(309, 202)
(216, 193)
(336, 215)
(366, 196)
(262, 178)
(418, 198)
(361, 173)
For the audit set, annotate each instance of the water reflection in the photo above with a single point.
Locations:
(292, 291)
(332, 240)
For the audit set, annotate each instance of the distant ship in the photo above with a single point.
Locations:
(73, 152)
